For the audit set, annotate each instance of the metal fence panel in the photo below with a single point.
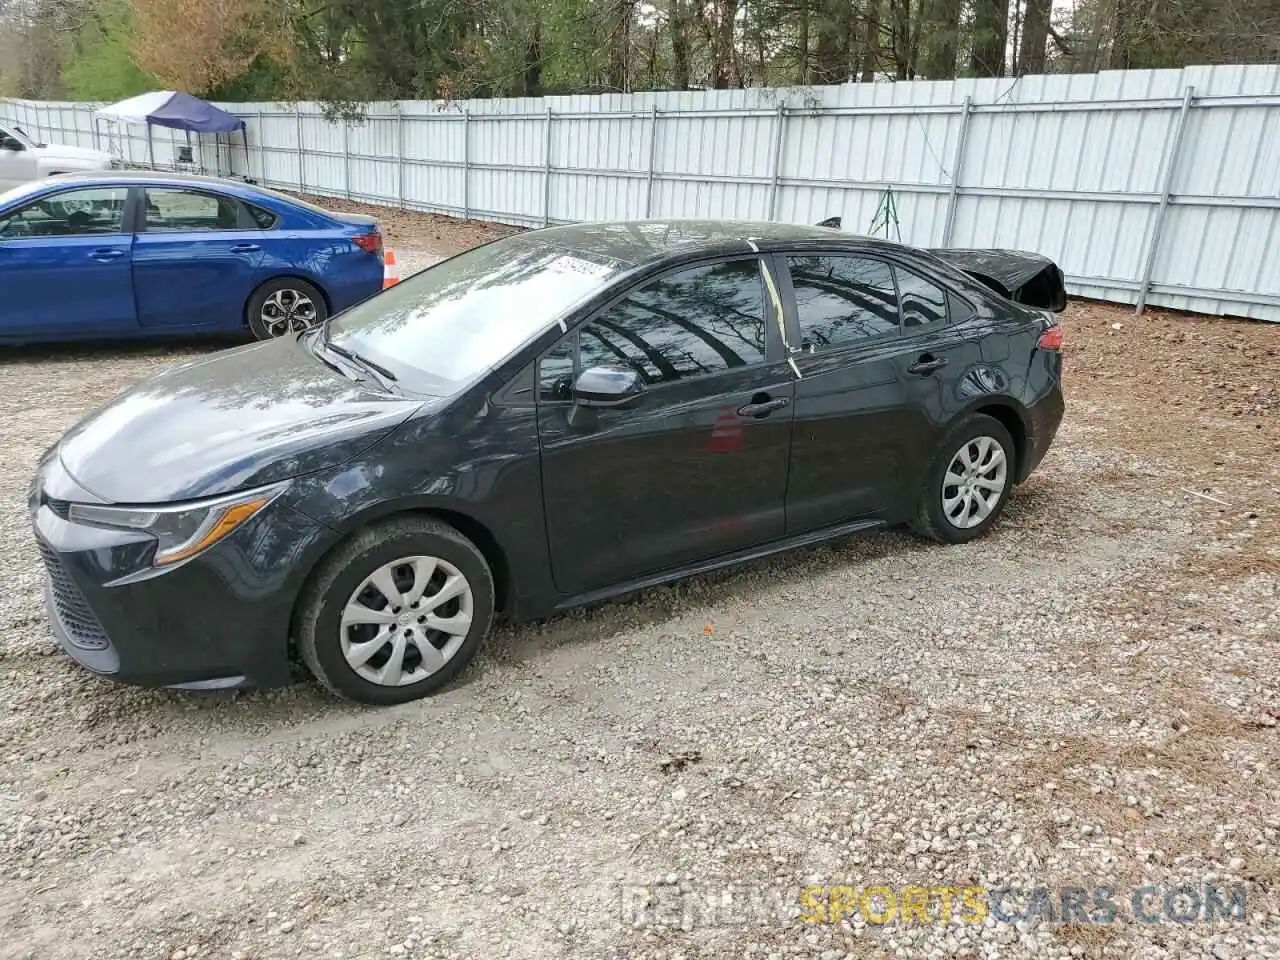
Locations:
(1147, 186)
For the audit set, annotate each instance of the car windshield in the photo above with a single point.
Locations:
(443, 327)
(19, 134)
(10, 198)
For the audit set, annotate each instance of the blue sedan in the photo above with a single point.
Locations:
(118, 254)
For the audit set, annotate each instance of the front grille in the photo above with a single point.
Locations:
(72, 610)
(61, 508)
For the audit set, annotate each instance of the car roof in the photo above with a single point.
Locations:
(150, 176)
(241, 189)
(637, 243)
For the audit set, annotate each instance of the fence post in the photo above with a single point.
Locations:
(302, 180)
(466, 163)
(956, 163)
(1171, 163)
(262, 149)
(346, 157)
(546, 176)
(400, 155)
(779, 125)
(653, 161)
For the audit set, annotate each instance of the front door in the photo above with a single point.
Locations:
(17, 161)
(855, 426)
(698, 467)
(196, 260)
(65, 265)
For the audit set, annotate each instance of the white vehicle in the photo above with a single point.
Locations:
(23, 159)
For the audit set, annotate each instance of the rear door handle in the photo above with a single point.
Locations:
(106, 254)
(926, 365)
(762, 408)
(245, 248)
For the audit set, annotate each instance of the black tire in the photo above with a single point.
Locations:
(253, 311)
(930, 519)
(318, 622)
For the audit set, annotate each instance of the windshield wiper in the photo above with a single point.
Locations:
(364, 362)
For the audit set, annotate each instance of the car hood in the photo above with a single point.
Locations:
(57, 151)
(237, 419)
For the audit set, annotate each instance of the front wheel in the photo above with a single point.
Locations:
(284, 306)
(968, 483)
(396, 612)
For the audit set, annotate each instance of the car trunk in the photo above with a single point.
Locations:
(1025, 278)
(360, 220)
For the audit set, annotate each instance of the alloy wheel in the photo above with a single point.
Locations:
(288, 311)
(974, 482)
(406, 620)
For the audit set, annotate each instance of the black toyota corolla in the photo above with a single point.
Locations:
(548, 420)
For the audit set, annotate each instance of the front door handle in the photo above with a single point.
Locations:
(926, 365)
(762, 408)
(245, 248)
(106, 254)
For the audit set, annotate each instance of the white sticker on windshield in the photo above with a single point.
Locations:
(568, 264)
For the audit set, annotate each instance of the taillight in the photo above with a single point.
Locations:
(369, 242)
(1051, 339)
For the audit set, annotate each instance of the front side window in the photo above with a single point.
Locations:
(182, 210)
(690, 323)
(72, 213)
(842, 299)
(556, 370)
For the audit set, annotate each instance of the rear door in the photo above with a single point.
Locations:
(698, 467)
(856, 426)
(196, 259)
(65, 265)
(940, 360)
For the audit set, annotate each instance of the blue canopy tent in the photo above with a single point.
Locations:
(177, 111)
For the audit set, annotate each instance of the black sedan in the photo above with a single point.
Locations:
(548, 420)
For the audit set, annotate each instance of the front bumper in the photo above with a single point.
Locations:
(217, 621)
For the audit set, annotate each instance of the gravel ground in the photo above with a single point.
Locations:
(1089, 696)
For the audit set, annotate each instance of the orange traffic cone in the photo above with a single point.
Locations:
(390, 270)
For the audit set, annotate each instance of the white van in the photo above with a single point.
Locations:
(23, 159)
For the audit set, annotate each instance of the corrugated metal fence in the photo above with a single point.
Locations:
(1160, 187)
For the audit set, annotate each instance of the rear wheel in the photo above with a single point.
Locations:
(396, 612)
(968, 483)
(284, 306)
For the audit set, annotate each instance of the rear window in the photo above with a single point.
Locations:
(296, 201)
(445, 326)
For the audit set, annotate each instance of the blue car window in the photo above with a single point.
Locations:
(185, 210)
(71, 213)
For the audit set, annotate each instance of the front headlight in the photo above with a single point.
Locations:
(184, 530)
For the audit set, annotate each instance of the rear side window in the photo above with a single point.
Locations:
(265, 219)
(924, 303)
(841, 300)
(170, 210)
(693, 322)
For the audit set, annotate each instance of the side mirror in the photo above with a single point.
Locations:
(611, 386)
(11, 143)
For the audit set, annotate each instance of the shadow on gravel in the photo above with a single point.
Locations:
(145, 713)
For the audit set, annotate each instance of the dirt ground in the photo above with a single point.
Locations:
(1088, 697)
